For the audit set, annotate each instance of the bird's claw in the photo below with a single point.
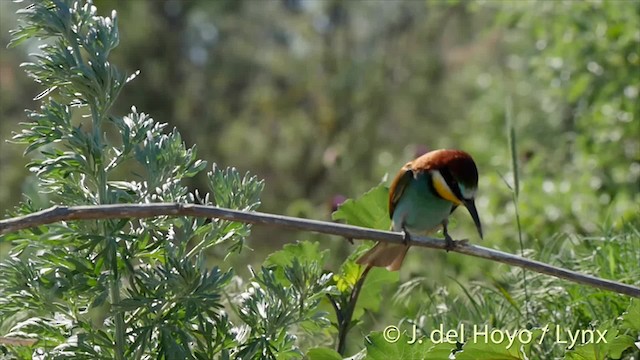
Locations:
(405, 237)
(449, 243)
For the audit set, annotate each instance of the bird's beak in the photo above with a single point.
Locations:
(471, 206)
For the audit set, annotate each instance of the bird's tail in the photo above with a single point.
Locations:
(385, 255)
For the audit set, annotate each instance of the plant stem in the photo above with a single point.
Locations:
(516, 192)
(344, 322)
(103, 191)
(98, 111)
(114, 290)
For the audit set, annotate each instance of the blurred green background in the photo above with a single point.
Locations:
(323, 99)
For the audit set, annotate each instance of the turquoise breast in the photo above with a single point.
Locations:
(419, 208)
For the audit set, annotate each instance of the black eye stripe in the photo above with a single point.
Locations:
(453, 184)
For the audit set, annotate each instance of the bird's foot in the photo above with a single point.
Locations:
(405, 237)
(450, 243)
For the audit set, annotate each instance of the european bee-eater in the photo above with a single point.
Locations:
(421, 198)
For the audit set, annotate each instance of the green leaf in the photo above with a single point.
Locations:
(620, 344)
(371, 294)
(349, 275)
(631, 317)
(370, 210)
(393, 344)
(303, 256)
(499, 344)
(304, 251)
(592, 348)
(323, 354)
(440, 351)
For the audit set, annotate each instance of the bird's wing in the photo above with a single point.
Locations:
(398, 185)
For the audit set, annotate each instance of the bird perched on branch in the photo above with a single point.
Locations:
(421, 198)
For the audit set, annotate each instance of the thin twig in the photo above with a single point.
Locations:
(62, 213)
(15, 341)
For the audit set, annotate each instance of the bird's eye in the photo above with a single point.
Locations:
(458, 186)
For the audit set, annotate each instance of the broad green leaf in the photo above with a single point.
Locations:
(349, 275)
(631, 317)
(370, 296)
(592, 347)
(304, 251)
(619, 344)
(306, 254)
(498, 344)
(371, 293)
(323, 354)
(440, 351)
(369, 210)
(396, 344)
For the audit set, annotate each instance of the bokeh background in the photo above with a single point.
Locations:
(326, 99)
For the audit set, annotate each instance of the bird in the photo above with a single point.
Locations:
(421, 198)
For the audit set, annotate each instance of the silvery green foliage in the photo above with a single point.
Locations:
(128, 289)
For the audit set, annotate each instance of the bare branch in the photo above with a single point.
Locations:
(14, 341)
(62, 213)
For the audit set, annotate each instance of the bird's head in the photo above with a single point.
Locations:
(454, 177)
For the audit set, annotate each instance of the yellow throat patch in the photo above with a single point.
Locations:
(442, 188)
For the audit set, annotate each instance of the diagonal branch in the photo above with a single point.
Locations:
(63, 213)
